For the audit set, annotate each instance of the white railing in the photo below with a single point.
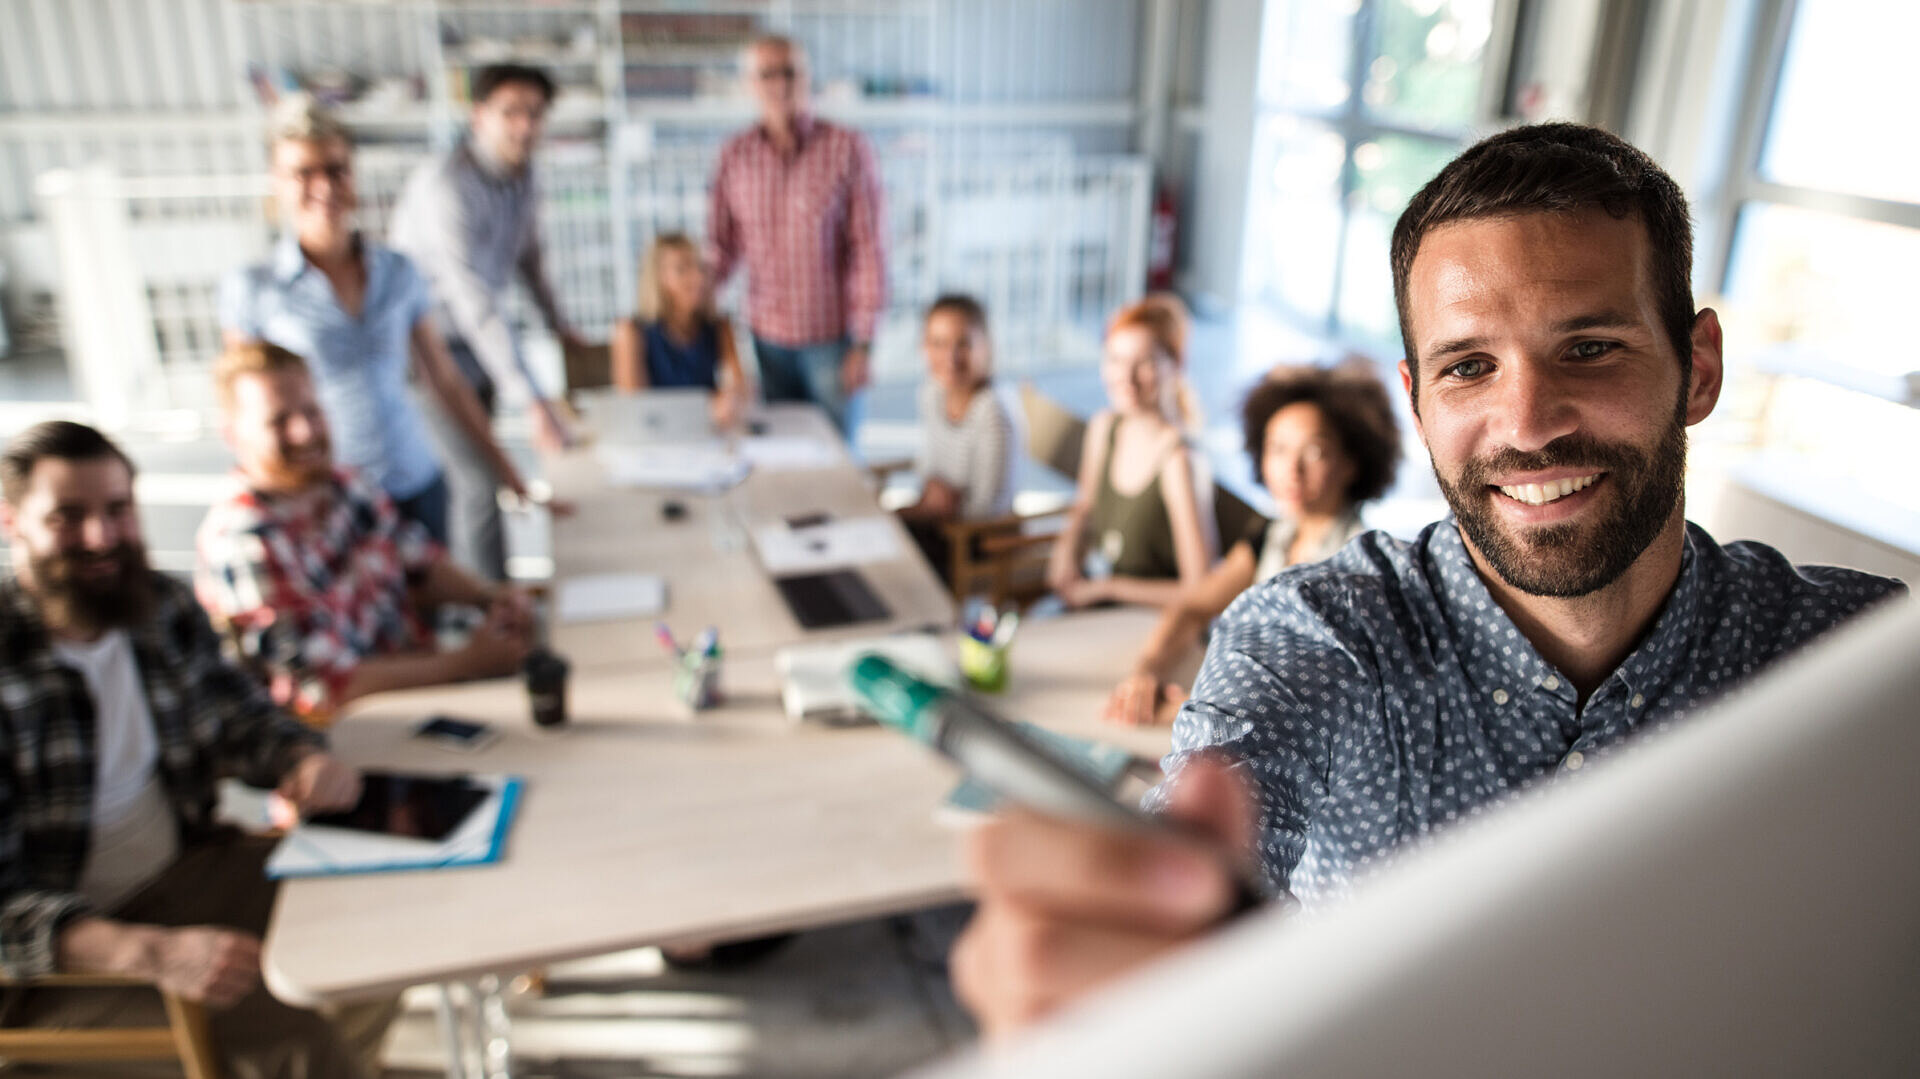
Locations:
(1049, 241)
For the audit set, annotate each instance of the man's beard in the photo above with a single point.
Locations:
(1573, 558)
(70, 598)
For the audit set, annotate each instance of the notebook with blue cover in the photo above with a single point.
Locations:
(318, 849)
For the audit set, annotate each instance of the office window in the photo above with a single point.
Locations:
(1823, 227)
(1360, 103)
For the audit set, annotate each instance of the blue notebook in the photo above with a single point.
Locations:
(318, 850)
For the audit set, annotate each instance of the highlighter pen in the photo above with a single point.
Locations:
(998, 754)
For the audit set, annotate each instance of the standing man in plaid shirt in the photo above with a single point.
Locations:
(798, 200)
(325, 586)
(117, 717)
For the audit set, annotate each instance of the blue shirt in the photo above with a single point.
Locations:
(1382, 694)
(359, 365)
(671, 363)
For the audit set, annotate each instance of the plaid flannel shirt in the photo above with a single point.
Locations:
(311, 587)
(212, 720)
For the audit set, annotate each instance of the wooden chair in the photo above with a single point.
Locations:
(588, 367)
(185, 1038)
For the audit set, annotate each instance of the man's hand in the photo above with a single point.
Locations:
(515, 608)
(855, 371)
(317, 783)
(1066, 907)
(496, 647)
(207, 964)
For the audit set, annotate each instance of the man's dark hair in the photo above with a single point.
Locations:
(1558, 168)
(960, 304)
(494, 76)
(61, 439)
(1355, 404)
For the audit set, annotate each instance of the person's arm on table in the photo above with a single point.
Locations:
(1141, 698)
(435, 366)
(629, 354)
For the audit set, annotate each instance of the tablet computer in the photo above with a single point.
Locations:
(411, 806)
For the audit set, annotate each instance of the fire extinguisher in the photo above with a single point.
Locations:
(1163, 228)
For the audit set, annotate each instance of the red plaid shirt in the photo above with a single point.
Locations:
(311, 586)
(809, 228)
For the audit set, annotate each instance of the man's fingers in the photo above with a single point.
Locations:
(1014, 965)
(1216, 801)
(1133, 880)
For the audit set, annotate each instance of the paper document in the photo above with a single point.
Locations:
(672, 466)
(831, 544)
(789, 453)
(311, 850)
(602, 597)
(813, 677)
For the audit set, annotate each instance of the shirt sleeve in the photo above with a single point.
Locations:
(1275, 697)
(30, 918)
(248, 581)
(234, 304)
(415, 296)
(254, 740)
(444, 251)
(866, 266)
(990, 464)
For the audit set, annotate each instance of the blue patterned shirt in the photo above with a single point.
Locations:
(360, 365)
(1382, 694)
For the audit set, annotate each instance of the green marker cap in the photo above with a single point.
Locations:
(898, 698)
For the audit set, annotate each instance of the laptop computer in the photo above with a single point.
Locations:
(676, 414)
(827, 600)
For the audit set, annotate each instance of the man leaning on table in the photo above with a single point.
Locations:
(325, 588)
(1348, 708)
(117, 716)
(797, 200)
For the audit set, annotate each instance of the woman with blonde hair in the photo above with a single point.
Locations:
(1141, 525)
(361, 315)
(676, 338)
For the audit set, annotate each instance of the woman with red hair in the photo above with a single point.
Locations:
(1141, 525)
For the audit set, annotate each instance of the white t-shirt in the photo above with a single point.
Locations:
(134, 833)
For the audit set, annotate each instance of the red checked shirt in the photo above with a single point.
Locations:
(809, 228)
(311, 585)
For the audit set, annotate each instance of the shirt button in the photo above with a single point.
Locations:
(1499, 696)
(1551, 683)
(1638, 700)
(1574, 761)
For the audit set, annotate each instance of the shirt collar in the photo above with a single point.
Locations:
(1479, 624)
(288, 260)
(804, 126)
(492, 170)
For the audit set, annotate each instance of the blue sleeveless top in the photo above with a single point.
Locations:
(671, 363)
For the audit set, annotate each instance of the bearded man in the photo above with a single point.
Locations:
(1349, 708)
(117, 717)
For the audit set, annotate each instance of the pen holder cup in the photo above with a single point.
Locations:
(983, 664)
(696, 681)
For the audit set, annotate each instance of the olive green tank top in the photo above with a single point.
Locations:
(1129, 535)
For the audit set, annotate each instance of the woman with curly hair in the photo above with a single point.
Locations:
(1323, 442)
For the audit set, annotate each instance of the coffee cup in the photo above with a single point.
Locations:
(547, 687)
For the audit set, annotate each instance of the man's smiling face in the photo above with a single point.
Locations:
(1549, 395)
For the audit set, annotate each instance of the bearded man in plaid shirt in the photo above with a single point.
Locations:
(117, 716)
(323, 586)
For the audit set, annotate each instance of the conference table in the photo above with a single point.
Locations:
(644, 822)
(706, 547)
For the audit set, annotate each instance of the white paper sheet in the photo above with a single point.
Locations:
(789, 453)
(672, 466)
(602, 597)
(834, 544)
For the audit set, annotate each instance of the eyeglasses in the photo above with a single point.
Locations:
(336, 172)
(786, 73)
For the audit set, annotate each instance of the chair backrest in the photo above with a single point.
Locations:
(589, 367)
(1054, 434)
(1231, 516)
